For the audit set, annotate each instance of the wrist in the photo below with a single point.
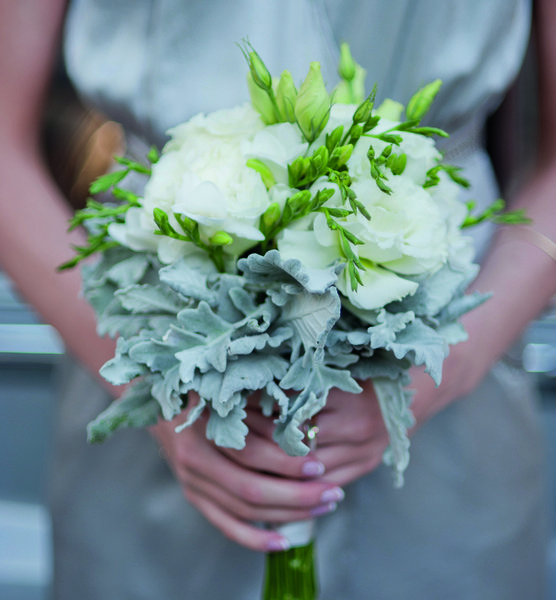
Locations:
(460, 376)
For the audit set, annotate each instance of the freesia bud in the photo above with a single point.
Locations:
(334, 138)
(356, 133)
(320, 158)
(271, 215)
(221, 238)
(263, 171)
(346, 67)
(420, 103)
(312, 105)
(161, 219)
(341, 155)
(298, 169)
(186, 223)
(386, 152)
(286, 94)
(397, 163)
(299, 201)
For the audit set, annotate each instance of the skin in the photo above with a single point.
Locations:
(232, 488)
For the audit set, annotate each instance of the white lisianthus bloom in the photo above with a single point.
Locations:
(202, 174)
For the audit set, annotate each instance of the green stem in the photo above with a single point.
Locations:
(290, 575)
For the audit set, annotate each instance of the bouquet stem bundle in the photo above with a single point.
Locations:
(290, 575)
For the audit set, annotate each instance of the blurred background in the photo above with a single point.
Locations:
(79, 144)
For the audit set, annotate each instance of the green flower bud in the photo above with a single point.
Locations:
(298, 169)
(286, 93)
(161, 219)
(260, 74)
(371, 123)
(312, 105)
(299, 201)
(271, 215)
(391, 110)
(363, 111)
(263, 171)
(320, 158)
(386, 152)
(334, 138)
(397, 163)
(221, 238)
(340, 156)
(346, 68)
(261, 101)
(420, 103)
(153, 156)
(351, 92)
(356, 133)
(187, 224)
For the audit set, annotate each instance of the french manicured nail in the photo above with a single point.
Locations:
(324, 509)
(333, 495)
(275, 545)
(312, 469)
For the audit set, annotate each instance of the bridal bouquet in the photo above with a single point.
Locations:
(299, 243)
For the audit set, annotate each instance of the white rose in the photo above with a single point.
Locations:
(412, 231)
(202, 174)
(276, 146)
(380, 286)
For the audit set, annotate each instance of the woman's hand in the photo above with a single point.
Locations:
(351, 434)
(233, 489)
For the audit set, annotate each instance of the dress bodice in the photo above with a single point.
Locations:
(154, 63)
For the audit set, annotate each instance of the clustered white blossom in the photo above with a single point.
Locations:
(203, 175)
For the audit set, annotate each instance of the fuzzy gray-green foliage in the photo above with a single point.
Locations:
(276, 326)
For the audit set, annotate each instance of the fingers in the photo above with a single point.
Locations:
(261, 483)
(242, 509)
(346, 463)
(350, 418)
(263, 454)
(259, 423)
(230, 495)
(238, 531)
(199, 460)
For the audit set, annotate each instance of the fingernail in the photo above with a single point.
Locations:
(323, 509)
(312, 469)
(333, 495)
(276, 545)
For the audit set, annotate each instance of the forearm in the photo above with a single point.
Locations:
(33, 223)
(522, 280)
(34, 241)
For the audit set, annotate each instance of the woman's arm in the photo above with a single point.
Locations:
(521, 275)
(34, 241)
(34, 216)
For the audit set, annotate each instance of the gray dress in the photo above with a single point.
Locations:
(470, 521)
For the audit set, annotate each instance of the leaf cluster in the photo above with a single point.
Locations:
(278, 328)
(97, 216)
